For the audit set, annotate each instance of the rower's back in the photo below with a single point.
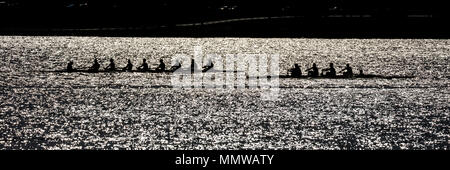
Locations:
(331, 71)
(161, 66)
(348, 71)
(69, 66)
(314, 71)
(129, 66)
(144, 66)
(112, 65)
(96, 66)
(296, 71)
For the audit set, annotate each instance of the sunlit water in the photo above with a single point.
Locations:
(140, 111)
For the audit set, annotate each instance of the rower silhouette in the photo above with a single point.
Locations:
(144, 66)
(313, 71)
(161, 66)
(111, 66)
(129, 66)
(296, 71)
(348, 71)
(95, 67)
(70, 66)
(330, 72)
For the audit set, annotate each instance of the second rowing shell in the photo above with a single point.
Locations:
(365, 76)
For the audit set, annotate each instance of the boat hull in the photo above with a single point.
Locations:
(368, 76)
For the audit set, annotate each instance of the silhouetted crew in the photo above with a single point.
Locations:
(111, 66)
(129, 66)
(70, 66)
(361, 73)
(296, 71)
(95, 67)
(176, 66)
(313, 71)
(348, 71)
(161, 66)
(330, 72)
(144, 66)
(193, 65)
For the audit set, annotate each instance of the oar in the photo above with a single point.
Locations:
(82, 68)
(107, 68)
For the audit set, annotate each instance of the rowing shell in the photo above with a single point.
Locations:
(143, 71)
(366, 76)
(109, 71)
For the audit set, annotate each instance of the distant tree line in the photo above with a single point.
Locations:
(294, 7)
(181, 11)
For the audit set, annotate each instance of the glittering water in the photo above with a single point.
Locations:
(138, 111)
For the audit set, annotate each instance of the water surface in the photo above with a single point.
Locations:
(139, 111)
